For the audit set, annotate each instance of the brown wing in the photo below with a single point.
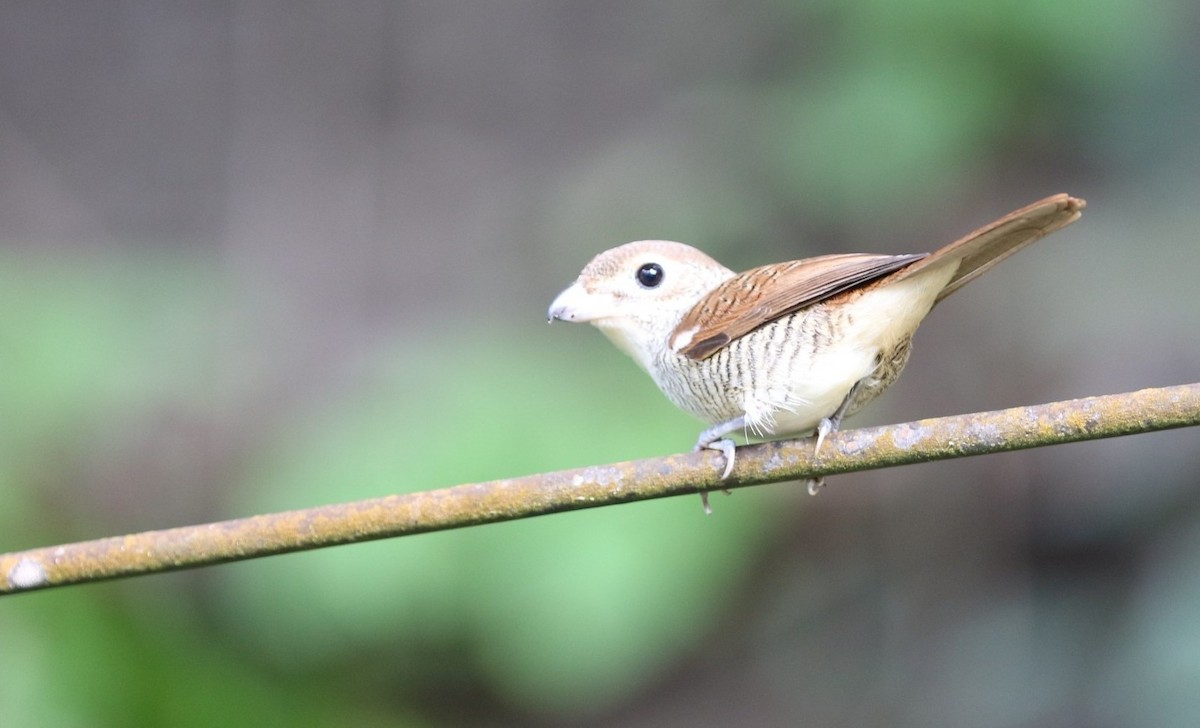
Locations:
(994, 242)
(757, 297)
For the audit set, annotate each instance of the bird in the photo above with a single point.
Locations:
(785, 348)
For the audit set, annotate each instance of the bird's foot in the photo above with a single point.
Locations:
(824, 427)
(711, 439)
(727, 448)
(831, 423)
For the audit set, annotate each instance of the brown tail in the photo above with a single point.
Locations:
(995, 241)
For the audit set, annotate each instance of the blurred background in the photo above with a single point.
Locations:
(261, 256)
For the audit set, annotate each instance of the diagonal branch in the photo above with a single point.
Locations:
(504, 500)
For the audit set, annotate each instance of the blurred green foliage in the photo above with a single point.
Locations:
(89, 340)
(561, 612)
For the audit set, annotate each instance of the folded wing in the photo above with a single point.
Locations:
(761, 295)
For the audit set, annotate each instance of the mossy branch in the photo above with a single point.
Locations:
(505, 500)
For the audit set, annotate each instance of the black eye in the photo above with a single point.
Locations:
(650, 275)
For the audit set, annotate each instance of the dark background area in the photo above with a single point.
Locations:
(259, 256)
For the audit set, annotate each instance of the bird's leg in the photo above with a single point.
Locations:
(712, 439)
(831, 424)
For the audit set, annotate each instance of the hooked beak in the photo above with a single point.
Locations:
(574, 304)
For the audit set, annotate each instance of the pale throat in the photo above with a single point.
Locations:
(632, 337)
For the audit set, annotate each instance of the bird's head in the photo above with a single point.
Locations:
(637, 293)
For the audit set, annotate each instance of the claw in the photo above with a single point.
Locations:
(710, 439)
(825, 427)
(726, 447)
